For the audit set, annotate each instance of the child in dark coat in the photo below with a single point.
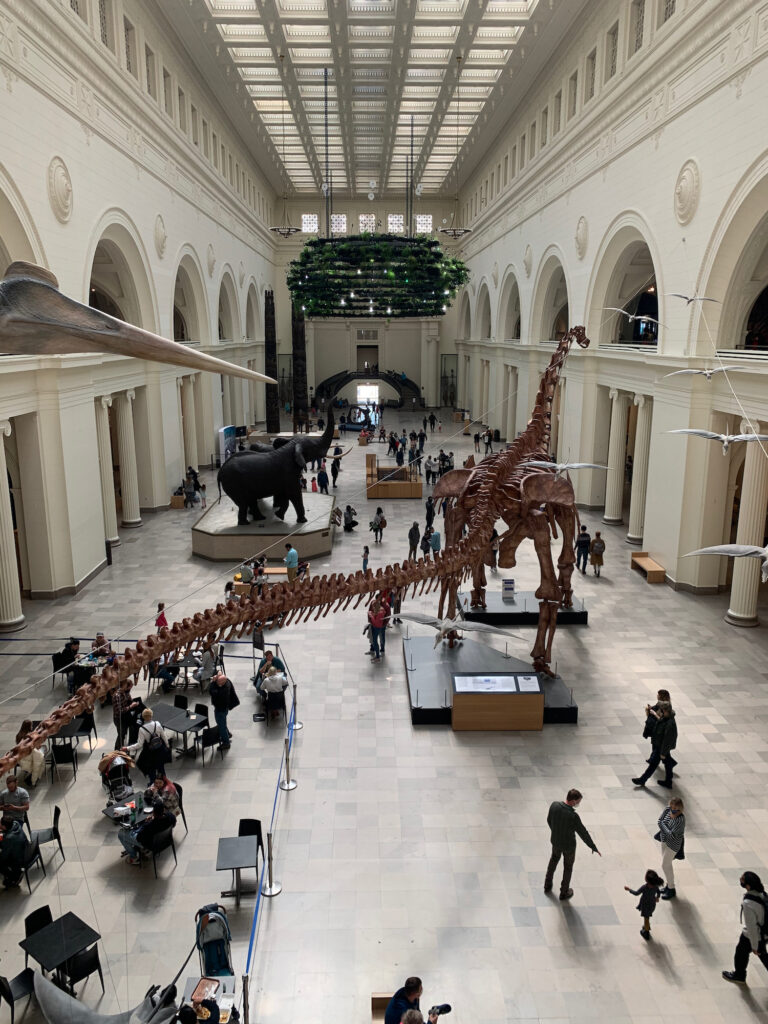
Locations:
(649, 897)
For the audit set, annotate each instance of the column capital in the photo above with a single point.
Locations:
(745, 427)
(5, 428)
(129, 395)
(105, 400)
(640, 400)
(613, 394)
(179, 383)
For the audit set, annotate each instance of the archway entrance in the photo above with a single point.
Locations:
(756, 336)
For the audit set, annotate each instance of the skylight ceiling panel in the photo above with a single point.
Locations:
(312, 54)
(425, 54)
(444, 34)
(440, 9)
(301, 8)
(301, 33)
(264, 74)
(371, 8)
(497, 34)
(422, 91)
(379, 33)
(370, 55)
(252, 55)
(487, 55)
(241, 35)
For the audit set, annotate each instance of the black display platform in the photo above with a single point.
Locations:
(523, 611)
(429, 674)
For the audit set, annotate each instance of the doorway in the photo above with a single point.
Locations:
(368, 358)
(367, 394)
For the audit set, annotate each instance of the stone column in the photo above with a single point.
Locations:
(251, 415)
(11, 615)
(189, 422)
(752, 507)
(614, 487)
(237, 401)
(640, 469)
(105, 470)
(126, 446)
(226, 406)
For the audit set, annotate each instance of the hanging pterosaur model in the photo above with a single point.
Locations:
(737, 551)
(641, 318)
(561, 467)
(708, 373)
(726, 440)
(36, 319)
(445, 627)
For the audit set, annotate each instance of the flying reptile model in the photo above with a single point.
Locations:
(561, 467)
(632, 317)
(737, 551)
(704, 373)
(688, 299)
(446, 626)
(36, 319)
(726, 440)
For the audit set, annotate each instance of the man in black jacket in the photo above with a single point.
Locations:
(406, 998)
(663, 741)
(135, 839)
(564, 825)
(223, 699)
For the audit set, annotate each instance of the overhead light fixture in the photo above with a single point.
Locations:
(285, 229)
(455, 230)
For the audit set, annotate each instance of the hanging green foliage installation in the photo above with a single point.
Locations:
(375, 276)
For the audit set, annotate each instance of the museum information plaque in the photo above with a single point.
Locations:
(499, 701)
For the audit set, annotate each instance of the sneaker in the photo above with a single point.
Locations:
(566, 895)
(669, 894)
(664, 783)
(646, 935)
(732, 976)
(547, 888)
(134, 861)
(637, 782)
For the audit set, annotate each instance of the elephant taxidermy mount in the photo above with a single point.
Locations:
(37, 320)
(273, 472)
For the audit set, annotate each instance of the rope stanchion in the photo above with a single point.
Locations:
(274, 888)
(295, 724)
(287, 784)
(246, 1008)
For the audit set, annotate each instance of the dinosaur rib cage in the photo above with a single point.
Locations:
(290, 604)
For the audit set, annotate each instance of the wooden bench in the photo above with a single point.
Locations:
(654, 573)
(379, 1004)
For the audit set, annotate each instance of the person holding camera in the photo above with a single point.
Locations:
(403, 1007)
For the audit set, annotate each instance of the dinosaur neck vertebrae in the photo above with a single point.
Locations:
(498, 487)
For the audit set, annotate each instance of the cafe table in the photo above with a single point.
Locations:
(234, 854)
(58, 942)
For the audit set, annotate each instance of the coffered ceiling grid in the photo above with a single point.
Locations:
(392, 69)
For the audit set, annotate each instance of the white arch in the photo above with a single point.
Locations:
(737, 241)
(544, 297)
(19, 238)
(115, 229)
(482, 324)
(228, 291)
(465, 316)
(254, 321)
(188, 262)
(510, 285)
(628, 230)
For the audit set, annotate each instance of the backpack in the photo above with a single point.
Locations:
(598, 547)
(760, 897)
(156, 743)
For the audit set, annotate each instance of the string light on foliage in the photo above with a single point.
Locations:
(375, 275)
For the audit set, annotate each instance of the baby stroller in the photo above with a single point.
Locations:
(213, 940)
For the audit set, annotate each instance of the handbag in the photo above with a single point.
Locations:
(382, 523)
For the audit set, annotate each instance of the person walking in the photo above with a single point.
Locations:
(203, 497)
(422, 437)
(413, 541)
(378, 524)
(291, 562)
(582, 546)
(313, 485)
(649, 897)
(376, 620)
(754, 924)
(335, 470)
(596, 550)
(488, 438)
(494, 546)
(476, 439)
(671, 835)
(430, 510)
(652, 715)
(224, 699)
(432, 422)
(434, 542)
(322, 480)
(161, 620)
(564, 825)
(366, 554)
(663, 742)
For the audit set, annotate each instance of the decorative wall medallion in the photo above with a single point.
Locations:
(211, 259)
(241, 273)
(528, 260)
(581, 237)
(60, 189)
(687, 191)
(160, 236)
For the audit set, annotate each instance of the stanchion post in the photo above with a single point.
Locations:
(246, 1009)
(296, 723)
(273, 888)
(287, 783)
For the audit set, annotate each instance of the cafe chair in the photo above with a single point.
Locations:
(35, 922)
(60, 661)
(202, 709)
(32, 857)
(210, 738)
(83, 966)
(20, 987)
(180, 794)
(62, 754)
(274, 703)
(52, 834)
(181, 701)
(162, 841)
(87, 728)
(252, 827)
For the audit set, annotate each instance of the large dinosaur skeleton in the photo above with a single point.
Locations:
(531, 501)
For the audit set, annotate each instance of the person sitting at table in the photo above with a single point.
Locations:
(189, 1012)
(14, 801)
(161, 669)
(34, 762)
(101, 647)
(204, 673)
(246, 572)
(135, 839)
(13, 850)
(266, 663)
(69, 656)
(151, 750)
(163, 789)
(273, 681)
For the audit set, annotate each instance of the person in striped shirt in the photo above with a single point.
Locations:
(671, 834)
